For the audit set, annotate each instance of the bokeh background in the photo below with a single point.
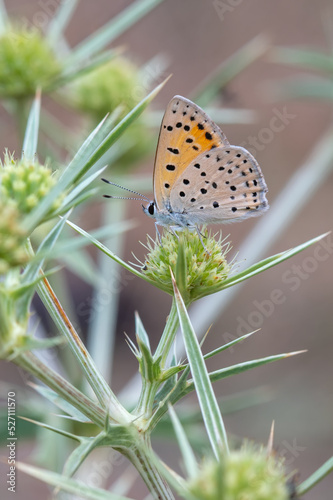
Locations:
(196, 37)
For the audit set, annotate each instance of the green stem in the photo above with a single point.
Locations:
(139, 455)
(145, 404)
(100, 387)
(67, 391)
(141, 458)
(19, 107)
(105, 322)
(168, 335)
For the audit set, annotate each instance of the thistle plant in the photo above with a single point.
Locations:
(181, 267)
(200, 270)
(12, 235)
(249, 472)
(30, 59)
(26, 183)
(114, 87)
(26, 62)
(316, 86)
(113, 84)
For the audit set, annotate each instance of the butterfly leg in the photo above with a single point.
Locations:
(173, 232)
(199, 232)
(201, 240)
(158, 234)
(170, 228)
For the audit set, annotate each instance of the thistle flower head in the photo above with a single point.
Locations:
(246, 473)
(25, 182)
(12, 237)
(198, 264)
(113, 84)
(26, 62)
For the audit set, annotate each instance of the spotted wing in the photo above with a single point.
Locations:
(222, 185)
(186, 132)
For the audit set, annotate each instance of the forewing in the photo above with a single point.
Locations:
(222, 185)
(186, 132)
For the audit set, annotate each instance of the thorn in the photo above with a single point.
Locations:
(295, 353)
(205, 335)
(270, 440)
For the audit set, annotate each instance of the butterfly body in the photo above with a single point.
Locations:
(167, 217)
(199, 178)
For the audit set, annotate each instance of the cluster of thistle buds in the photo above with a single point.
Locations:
(23, 184)
(26, 62)
(250, 472)
(200, 269)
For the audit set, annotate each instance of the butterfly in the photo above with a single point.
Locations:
(199, 178)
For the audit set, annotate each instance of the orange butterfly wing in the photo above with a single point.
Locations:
(186, 132)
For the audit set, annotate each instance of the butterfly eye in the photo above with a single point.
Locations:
(151, 208)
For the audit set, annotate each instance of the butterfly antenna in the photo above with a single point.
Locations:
(142, 196)
(121, 197)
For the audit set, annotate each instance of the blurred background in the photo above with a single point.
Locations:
(193, 39)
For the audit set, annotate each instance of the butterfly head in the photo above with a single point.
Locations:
(150, 209)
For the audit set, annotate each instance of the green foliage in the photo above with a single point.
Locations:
(115, 87)
(26, 62)
(113, 84)
(12, 327)
(136, 145)
(308, 85)
(211, 414)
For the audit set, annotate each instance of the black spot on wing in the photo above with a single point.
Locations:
(174, 151)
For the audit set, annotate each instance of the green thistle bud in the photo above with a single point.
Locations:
(113, 84)
(248, 473)
(117, 83)
(12, 237)
(23, 184)
(199, 270)
(13, 318)
(138, 143)
(26, 183)
(26, 62)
